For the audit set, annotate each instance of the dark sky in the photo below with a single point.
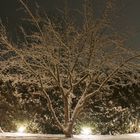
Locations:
(10, 13)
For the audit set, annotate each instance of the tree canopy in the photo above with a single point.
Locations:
(76, 60)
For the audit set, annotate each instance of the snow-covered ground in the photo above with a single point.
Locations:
(17, 136)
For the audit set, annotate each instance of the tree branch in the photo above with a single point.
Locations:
(109, 77)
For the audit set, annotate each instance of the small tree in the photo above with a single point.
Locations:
(117, 112)
(17, 106)
(75, 59)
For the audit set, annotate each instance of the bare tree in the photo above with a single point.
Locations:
(69, 56)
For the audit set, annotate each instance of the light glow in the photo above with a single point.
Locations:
(86, 131)
(21, 129)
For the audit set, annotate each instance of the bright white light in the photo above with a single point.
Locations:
(86, 131)
(21, 129)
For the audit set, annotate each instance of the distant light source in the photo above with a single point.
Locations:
(21, 129)
(86, 131)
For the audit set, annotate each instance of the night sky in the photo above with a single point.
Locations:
(10, 13)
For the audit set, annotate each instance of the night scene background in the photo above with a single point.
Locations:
(10, 12)
(69, 64)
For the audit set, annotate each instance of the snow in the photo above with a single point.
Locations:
(27, 136)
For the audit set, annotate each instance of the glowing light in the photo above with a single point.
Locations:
(86, 131)
(21, 129)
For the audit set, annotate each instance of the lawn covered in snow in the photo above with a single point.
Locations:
(18, 136)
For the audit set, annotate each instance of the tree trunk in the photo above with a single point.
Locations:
(68, 132)
(137, 125)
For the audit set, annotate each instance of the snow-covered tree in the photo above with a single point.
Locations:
(68, 55)
(118, 109)
(17, 106)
